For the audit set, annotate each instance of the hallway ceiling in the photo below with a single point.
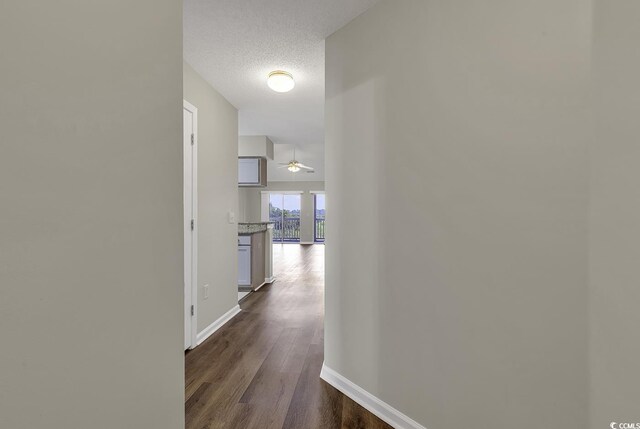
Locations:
(234, 44)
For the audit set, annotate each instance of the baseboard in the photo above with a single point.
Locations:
(376, 406)
(269, 280)
(307, 242)
(241, 300)
(209, 330)
(260, 286)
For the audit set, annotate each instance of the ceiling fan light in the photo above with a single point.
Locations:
(293, 168)
(281, 81)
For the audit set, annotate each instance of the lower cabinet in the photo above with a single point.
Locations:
(251, 260)
(244, 263)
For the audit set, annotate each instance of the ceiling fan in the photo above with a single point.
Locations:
(295, 166)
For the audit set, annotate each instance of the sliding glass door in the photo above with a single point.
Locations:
(319, 216)
(284, 212)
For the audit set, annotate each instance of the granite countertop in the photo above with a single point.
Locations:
(248, 228)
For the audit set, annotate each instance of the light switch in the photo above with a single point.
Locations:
(206, 291)
(232, 217)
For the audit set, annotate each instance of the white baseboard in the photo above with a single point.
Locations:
(269, 280)
(376, 406)
(260, 286)
(307, 242)
(209, 330)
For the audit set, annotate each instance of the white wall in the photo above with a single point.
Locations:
(248, 209)
(615, 216)
(217, 196)
(91, 295)
(250, 200)
(255, 146)
(461, 299)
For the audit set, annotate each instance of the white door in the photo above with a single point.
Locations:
(190, 115)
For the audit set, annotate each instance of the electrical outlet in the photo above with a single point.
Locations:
(206, 291)
(232, 217)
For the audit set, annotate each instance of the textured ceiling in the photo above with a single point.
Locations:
(234, 44)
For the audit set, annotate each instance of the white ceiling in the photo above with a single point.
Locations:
(234, 44)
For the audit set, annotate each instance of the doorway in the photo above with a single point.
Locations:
(190, 165)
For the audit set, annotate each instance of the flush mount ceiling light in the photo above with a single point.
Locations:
(280, 81)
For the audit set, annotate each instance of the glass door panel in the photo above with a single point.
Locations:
(319, 217)
(284, 212)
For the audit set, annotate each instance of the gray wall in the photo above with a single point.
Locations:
(91, 317)
(250, 200)
(615, 216)
(217, 196)
(462, 295)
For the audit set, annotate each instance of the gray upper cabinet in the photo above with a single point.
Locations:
(252, 172)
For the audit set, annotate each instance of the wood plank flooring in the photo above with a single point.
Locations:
(262, 369)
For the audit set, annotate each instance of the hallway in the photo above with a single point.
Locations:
(261, 370)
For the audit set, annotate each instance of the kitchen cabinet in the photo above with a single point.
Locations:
(244, 261)
(252, 172)
(251, 261)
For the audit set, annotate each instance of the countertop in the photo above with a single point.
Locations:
(249, 228)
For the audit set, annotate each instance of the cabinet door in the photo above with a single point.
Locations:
(248, 171)
(244, 266)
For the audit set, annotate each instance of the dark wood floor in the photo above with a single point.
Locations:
(261, 370)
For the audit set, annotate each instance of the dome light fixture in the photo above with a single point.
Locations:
(280, 81)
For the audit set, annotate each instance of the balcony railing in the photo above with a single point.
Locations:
(286, 229)
(319, 230)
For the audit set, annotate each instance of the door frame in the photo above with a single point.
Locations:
(191, 240)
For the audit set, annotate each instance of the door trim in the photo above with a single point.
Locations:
(194, 235)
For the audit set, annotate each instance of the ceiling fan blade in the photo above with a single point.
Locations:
(284, 166)
(305, 167)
